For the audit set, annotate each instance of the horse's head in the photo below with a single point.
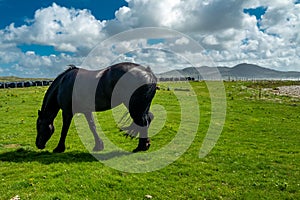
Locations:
(45, 129)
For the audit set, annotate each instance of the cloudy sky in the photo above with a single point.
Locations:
(39, 38)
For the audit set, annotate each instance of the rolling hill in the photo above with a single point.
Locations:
(239, 72)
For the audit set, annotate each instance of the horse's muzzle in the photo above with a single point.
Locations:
(39, 146)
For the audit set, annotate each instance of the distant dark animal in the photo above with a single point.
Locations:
(20, 84)
(109, 91)
(28, 84)
(38, 83)
(11, 85)
(45, 83)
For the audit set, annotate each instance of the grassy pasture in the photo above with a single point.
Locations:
(256, 157)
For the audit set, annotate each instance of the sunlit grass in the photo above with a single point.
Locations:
(256, 157)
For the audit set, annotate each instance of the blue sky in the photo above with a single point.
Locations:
(25, 9)
(258, 12)
(39, 38)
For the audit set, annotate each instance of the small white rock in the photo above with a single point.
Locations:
(147, 196)
(16, 198)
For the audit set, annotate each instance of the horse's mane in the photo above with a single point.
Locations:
(53, 87)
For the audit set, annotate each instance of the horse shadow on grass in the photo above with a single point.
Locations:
(45, 157)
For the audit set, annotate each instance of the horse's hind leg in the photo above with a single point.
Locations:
(141, 125)
(139, 112)
(98, 142)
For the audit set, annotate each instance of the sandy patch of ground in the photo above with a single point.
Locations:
(11, 146)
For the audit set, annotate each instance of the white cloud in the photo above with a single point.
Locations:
(65, 29)
(227, 34)
(185, 16)
(30, 53)
(182, 41)
(222, 26)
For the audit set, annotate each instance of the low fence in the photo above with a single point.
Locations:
(22, 84)
(168, 79)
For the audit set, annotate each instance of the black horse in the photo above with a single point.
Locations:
(82, 91)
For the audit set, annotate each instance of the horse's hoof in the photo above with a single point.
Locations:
(143, 147)
(99, 146)
(59, 150)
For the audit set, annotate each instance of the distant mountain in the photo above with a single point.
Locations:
(238, 72)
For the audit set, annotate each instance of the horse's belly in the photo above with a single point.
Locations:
(81, 105)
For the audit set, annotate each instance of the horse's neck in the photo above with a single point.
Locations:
(50, 106)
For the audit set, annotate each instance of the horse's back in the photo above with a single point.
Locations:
(130, 70)
(88, 90)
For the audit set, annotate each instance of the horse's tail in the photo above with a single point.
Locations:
(125, 119)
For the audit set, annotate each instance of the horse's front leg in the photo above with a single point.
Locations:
(98, 142)
(67, 118)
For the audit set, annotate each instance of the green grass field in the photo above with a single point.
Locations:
(256, 157)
